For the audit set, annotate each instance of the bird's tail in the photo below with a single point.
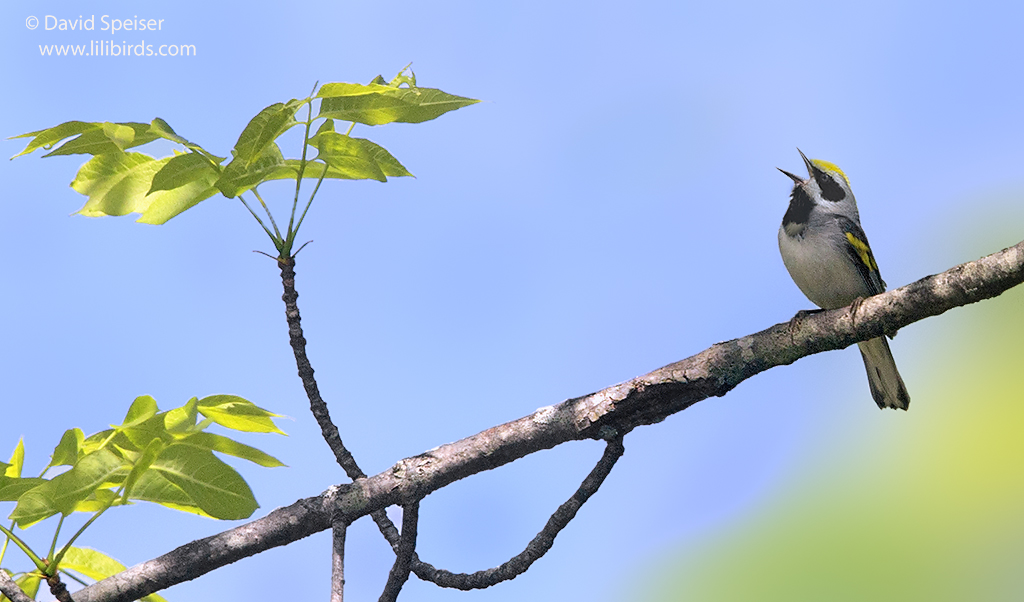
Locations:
(887, 387)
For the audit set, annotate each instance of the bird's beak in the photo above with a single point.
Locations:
(795, 178)
(807, 162)
(810, 169)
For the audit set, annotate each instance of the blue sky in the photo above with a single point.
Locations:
(610, 207)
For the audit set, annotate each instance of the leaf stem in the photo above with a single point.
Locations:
(3, 548)
(291, 232)
(56, 534)
(264, 226)
(256, 193)
(55, 562)
(36, 560)
(311, 196)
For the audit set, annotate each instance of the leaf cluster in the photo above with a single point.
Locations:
(118, 181)
(164, 457)
(161, 457)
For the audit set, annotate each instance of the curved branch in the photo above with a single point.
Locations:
(643, 400)
(539, 545)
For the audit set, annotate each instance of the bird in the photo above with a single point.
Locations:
(827, 254)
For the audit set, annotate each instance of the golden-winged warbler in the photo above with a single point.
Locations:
(827, 254)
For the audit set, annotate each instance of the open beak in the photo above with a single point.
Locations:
(810, 169)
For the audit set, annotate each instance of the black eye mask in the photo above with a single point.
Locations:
(830, 189)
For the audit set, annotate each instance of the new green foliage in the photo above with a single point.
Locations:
(162, 457)
(118, 182)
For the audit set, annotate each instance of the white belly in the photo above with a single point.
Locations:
(822, 270)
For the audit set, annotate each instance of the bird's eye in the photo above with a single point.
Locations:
(830, 188)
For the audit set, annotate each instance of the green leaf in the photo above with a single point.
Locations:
(91, 563)
(118, 184)
(172, 202)
(96, 565)
(97, 138)
(313, 170)
(384, 160)
(11, 489)
(357, 158)
(263, 129)
(182, 419)
(29, 583)
(131, 442)
(96, 441)
(99, 500)
(211, 484)
(69, 449)
(106, 138)
(240, 414)
(159, 127)
(149, 455)
(17, 461)
(47, 138)
(403, 78)
(153, 487)
(103, 179)
(121, 135)
(181, 170)
(224, 445)
(142, 409)
(240, 175)
(344, 155)
(377, 104)
(64, 492)
(326, 126)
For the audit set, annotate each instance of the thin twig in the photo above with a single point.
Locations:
(540, 544)
(403, 558)
(338, 531)
(317, 405)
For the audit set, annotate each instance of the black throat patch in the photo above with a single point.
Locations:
(800, 205)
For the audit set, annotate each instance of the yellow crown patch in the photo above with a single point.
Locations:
(831, 168)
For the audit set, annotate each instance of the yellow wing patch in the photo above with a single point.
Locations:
(863, 251)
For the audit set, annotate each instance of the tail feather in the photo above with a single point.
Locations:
(887, 387)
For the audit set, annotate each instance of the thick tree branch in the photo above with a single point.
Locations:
(605, 414)
(10, 589)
